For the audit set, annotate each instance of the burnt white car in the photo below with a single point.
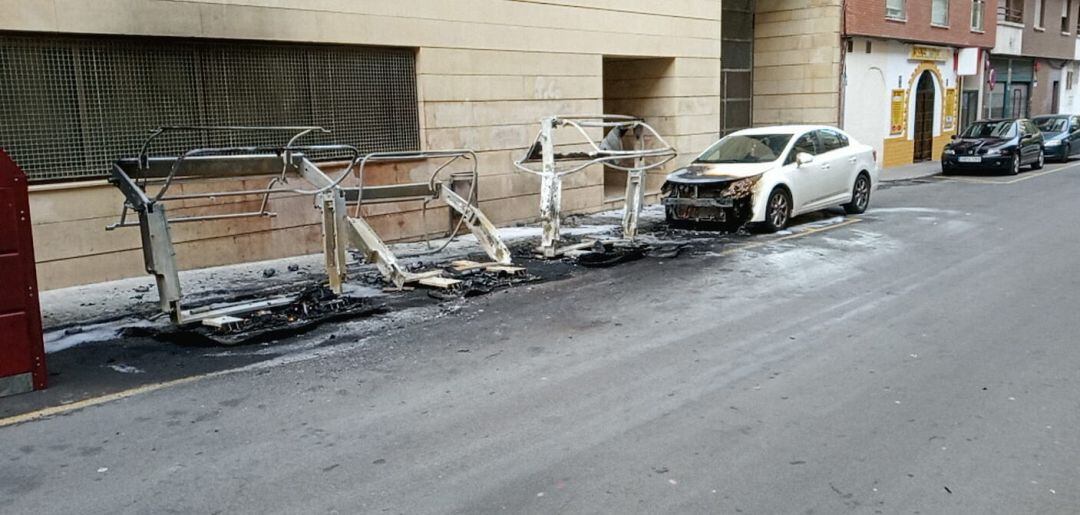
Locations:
(767, 175)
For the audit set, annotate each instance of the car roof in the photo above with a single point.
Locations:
(784, 129)
(1052, 116)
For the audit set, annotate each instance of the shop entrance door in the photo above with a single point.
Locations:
(924, 118)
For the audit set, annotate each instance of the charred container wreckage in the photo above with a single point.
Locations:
(702, 193)
(145, 182)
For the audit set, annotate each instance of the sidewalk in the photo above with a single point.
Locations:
(911, 171)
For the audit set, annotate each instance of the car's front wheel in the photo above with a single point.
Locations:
(777, 210)
(860, 196)
(1014, 167)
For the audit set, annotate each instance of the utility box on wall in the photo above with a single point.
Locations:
(22, 350)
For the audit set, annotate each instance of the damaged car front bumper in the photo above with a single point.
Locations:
(709, 199)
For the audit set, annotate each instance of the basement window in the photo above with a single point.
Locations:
(73, 105)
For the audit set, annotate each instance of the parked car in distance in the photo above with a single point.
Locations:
(1002, 145)
(767, 175)
(1062, 135)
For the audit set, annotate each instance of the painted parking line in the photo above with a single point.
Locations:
(95, 401)
(1004, 181)
(149, 388)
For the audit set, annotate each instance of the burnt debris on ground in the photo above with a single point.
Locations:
(313, 306)
(368, 295)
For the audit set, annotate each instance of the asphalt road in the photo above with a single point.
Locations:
(921, 360)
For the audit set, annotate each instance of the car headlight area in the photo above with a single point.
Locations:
(724, 201)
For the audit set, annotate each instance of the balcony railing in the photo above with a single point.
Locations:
(1013, 13)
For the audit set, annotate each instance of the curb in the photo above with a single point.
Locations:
(930, 173)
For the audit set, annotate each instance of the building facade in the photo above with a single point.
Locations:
(907, 67)
(1032, 68)
(84, 80)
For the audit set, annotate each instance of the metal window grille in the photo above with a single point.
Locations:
(737, 70)
(71, 106)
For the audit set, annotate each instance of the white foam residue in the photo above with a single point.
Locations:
(61, 339)
(126, 369)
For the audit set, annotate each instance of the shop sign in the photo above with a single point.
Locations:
(929, 53)
(898, 112)
(949, 114)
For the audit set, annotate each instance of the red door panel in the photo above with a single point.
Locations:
(22, 351)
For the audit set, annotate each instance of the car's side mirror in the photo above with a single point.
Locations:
(953, 137)
(802, 158)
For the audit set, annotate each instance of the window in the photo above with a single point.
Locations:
(1013, 11)
(807, 143)
(1066, 8)
(1077, 23)
(1052, 124)
(896, 9)
(831, 140)
(750, 148)
(1002, 129)
(71, 106)
(978, 10)
(1040, 14)
(939, 13)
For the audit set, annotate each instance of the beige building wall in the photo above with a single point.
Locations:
(797, 62)
(487, 71)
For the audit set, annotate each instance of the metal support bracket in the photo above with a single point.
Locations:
(609, 152)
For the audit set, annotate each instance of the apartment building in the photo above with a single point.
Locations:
(908, 67)
(83, 81)
(1033, 66)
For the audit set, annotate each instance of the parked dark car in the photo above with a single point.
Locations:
(996, 145)
(1062, 135)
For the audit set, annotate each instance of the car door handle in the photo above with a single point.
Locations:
(854, 159)
(824, 167)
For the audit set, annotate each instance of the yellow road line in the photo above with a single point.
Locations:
(96, 401)
(1025, 177)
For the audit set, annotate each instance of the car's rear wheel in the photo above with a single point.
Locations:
(777, 210)
(1014, 167)
(860, 196)
(1038, 164)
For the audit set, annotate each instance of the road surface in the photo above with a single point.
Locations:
(923, 359)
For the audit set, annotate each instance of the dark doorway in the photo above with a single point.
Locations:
(924, 117)
(969, 108)
(1055, 98)
(634, 86)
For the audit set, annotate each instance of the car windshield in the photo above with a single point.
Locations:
(1003, 129)
(747, 148)
(1052, 124)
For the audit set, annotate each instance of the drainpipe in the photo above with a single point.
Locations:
(843, 65)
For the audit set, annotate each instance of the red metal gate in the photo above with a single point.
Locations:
(22, 352)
